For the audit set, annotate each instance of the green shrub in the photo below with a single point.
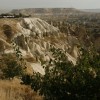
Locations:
(10, 66)
(65, 81)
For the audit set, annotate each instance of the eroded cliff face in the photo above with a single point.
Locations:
(35, 38)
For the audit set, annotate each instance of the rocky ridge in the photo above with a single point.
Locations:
(35, 37)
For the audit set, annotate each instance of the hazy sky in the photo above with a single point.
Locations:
(82, 4)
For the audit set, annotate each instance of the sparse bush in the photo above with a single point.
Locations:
(26, 79)
(7, 31)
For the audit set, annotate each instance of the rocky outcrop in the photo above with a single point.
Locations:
(35, 38)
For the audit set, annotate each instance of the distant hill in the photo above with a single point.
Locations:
(4, 11)
(47, 11)
(92, 10)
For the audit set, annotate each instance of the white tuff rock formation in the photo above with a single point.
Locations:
(35, 37)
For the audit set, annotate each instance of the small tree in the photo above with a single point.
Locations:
(10, 66)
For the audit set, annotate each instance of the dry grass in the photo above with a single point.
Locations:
(53, 39)
(13, 90)
(10, 22)
(56, 39)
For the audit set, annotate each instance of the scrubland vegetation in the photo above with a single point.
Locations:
(63, 80)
